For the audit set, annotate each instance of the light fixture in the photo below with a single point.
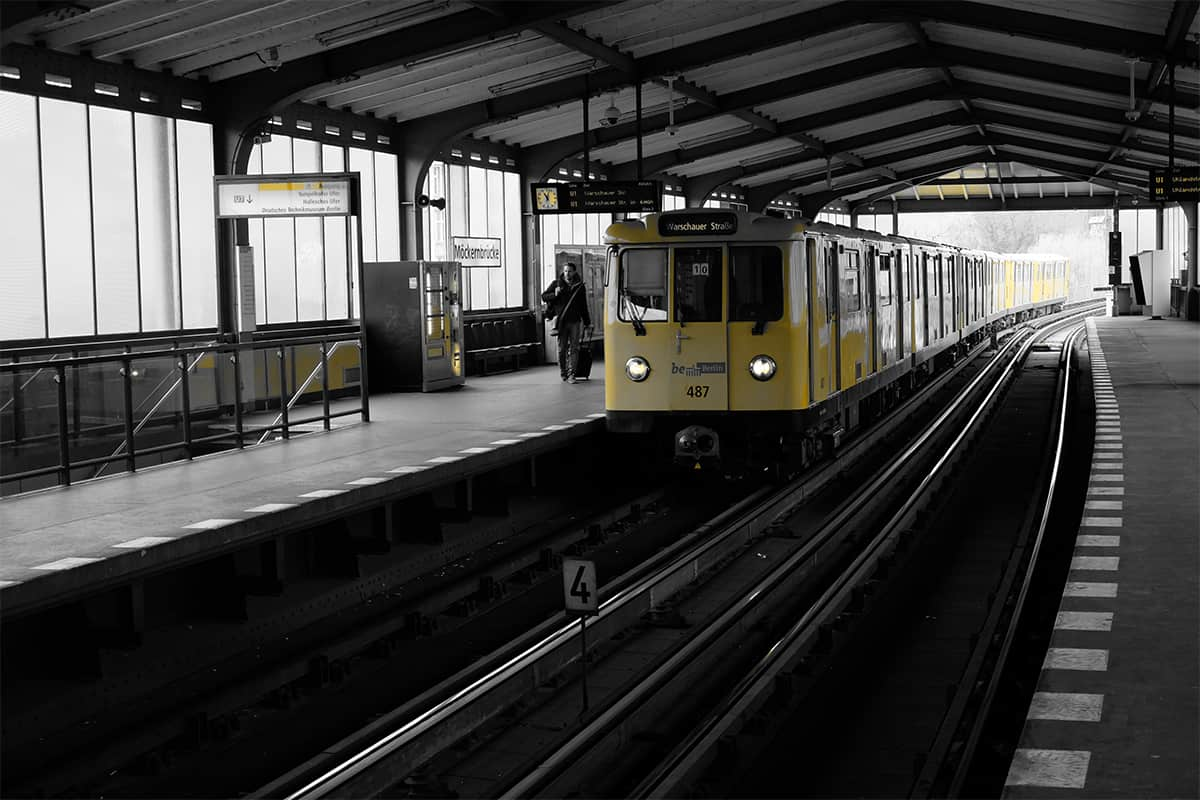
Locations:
(762, 367)
(671, 129)
(637, 368)
(376, 25)
(525, 81)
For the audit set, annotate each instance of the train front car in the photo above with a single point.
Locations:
(705, 333)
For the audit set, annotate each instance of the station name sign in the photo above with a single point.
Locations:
(597, 197)
(698, 224)
(1182, 184)
(475, 251)
(242, 196)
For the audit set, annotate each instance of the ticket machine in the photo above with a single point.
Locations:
(413, 316)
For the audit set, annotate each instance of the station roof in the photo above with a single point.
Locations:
(861, 102)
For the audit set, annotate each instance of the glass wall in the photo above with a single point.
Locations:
(304, 268)
(108, 221)
(481, 201)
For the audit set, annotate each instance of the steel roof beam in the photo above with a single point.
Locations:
(1043, 145)
(1074, 132)
(947, 76)
(981, 204)
(1073, 108)
(1072, 170)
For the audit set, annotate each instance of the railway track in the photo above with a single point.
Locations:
(675, 635)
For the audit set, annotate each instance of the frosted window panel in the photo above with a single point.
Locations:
(333, 158)
(260, 270)
(310, 269)
(67, 208)
(514, 261)
(387, 208)
(363, 162)
(353, 269)
(115, 216)
(254, 167)
(477, 199)
(277, 155)
(23, 308)
(280, 243)
(495, 229)
(306, 155)
(337, 305)
(456, 202)
(593, 229)
(197, 227)
(438, 231)
(154, 139)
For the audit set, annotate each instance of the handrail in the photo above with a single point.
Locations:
(91, 343)
(23, 386)
(323, 364)
(138, 428)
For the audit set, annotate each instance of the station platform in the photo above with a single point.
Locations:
(1117, 709)
(68, 541)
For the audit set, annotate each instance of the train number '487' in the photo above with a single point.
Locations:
(697, 391)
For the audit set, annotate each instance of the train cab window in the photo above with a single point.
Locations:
(755, 284)
(851, 281)
(906, 276)
(643, 285)
(885, 280)
(697, 284)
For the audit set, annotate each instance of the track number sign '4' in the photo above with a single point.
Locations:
(579, 586)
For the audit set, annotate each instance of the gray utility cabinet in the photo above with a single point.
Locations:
(414, 325)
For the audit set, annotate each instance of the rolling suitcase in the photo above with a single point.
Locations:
(583, 367)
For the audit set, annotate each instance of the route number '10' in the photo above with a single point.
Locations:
(579, 586)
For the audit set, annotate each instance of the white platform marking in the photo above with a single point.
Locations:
(6, 584)
(370, 481)
(1076, 658)
(407, 470)
(1101, 522)
(599, 415)
(443, 459)
(1096, 563)
(1117, 478)
(532, 434)
(144, 541)
(65, 563)
(210, 524)
(476, 450)
(556, 427)
(1089, 589)
(317, 494)
(1059, 769)
(1097, 540)
(1109, 437)
(506, 441)
(1083, 621)
(578, 421)
(1066, 706)
(1103, 490)
(1103, 505)
(1109, 446)
(267, 508)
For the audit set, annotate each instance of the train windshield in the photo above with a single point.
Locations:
(643, 285)
(698, 284)
(755, 284)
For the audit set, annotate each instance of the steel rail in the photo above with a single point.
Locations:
(670, 777)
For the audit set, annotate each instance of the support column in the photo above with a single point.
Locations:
(1158, 228)
(1191, 210)
(895, 218)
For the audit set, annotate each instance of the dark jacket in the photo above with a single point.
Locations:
(568, 301)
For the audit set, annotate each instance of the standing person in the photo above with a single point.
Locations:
(570, 299)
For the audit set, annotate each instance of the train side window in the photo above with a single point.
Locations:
(852, 282)
(698, 284)
(885, 280)
(755, 284)
(831, 280)
(643, 285)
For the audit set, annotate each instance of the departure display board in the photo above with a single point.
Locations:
(699, 223)
(1182, 184)
(242, 196)
(597, 197)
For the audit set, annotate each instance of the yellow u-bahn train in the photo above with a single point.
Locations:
(768, 338)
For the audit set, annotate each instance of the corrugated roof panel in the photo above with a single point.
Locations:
(1007, 45)
(849, 93)
(805, 56)
(886, 119)
(642, 28)
(1149, 17)
(883, 149)
(745, 157)
(1046, 88)
(1046, 116)
(1049, 138)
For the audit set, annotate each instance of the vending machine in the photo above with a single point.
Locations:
(413, 316)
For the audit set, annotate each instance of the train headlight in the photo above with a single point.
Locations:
(637, 368)
(762, 368)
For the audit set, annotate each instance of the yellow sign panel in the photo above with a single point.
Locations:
(284, 198)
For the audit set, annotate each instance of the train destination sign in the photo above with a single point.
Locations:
(698, 224)
(1182, 184)
(597, 197)
(285, 196)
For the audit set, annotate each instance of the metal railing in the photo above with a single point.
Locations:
(66, 372)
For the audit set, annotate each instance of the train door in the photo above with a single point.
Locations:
(699, 367)
(916, 275)
(945, 293)
(854, 332)
(875, 325)
(900, 276)
(764, 284)
(822, 380)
